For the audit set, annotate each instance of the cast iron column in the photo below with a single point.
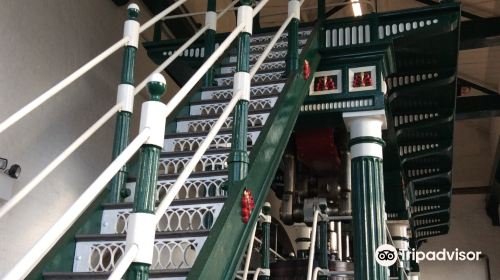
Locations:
(125, 95)
(238, 158)
(323, 242)
(368, 209)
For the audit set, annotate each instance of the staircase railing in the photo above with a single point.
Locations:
(149, 132)
(239, 93)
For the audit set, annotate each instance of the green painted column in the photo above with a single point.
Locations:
(144, 222)
(321, 9)
(211, 22)
(292, 56)
(238, 157)
(117, 190)
(323, 243)
(368, 209)
(266, 240)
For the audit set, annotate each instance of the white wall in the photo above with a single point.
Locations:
(471, 230)
(42, 42)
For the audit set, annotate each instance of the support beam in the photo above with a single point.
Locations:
(334, 10)
(480, 33)
(465, 83)
(474, 107)
(464, 13)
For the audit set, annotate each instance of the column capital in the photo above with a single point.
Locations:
(373, 123)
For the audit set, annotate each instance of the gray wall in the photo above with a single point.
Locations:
(471, 230)
(42, 42)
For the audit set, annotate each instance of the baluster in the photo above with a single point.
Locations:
(141, 227)
(238, 158)
(125, 95)
(292, 61)
(266, 240)
(211, 22)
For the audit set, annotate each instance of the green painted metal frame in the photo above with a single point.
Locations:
(224, 247)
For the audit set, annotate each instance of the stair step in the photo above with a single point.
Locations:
(208, 162)
(99, 253)
(204, 133)
(177, 218)
(204, 187)
(216, 115)
(257, 89)
(207, 109)
(275, 54)
(268, 65)
(261, 76)
(191, 143)
(172, 274)
(266, 37)
(206, 124)
(280, 44)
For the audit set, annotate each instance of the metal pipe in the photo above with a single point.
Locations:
(339, 241)
(161, 15)
(313, 245)
(286, 211)
(272, 251)
(43, 246)
(249, 253)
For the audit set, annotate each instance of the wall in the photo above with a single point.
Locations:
(41, 44)
(471, 230)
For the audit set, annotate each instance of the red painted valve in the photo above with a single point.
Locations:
(306, 70)
(247, 205)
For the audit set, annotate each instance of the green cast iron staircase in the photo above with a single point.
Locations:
(198, 208)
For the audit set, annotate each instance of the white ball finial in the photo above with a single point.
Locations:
(157, 77)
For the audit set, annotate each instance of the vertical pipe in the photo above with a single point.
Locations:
(266, 240)
(211, 22)
(339, 241)
(117, 190)
(142, 222)
(292, 56)
(238, 157)
(323, 243)
(367, 192)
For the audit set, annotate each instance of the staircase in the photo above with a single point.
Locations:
(186, 224)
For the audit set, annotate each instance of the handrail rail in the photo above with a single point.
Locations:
(80, 71)
(272, 251)
(42, 246)
(249, 253)
(313, 244)
(11, 203)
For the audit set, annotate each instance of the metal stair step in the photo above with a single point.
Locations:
(216, 108)
(257, 89)
(206, 124)
(191, 143)
(177, 218)
(176, 250)
(204, 133)
(173, 274)
(262, 76)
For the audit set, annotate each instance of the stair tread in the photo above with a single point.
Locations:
(204, 133)
(179, 272)
(222, 87)
(270, 60)
(176, 202)
(282, 69)
(226, 100)
(216, 116)
(158, 235)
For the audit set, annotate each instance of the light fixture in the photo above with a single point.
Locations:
(3, 163)
(14, 171)
(356, 8)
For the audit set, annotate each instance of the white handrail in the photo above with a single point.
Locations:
(82, 70)
(43, 246)
(61, 85)
(179, 51)
(249, 253)
(124, 262)
(256, 274)
(271, 250)
(313, 245)
(159, 16)
(11, 203)
(58, 160)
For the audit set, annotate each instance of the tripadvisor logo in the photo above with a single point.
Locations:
(387, 255)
